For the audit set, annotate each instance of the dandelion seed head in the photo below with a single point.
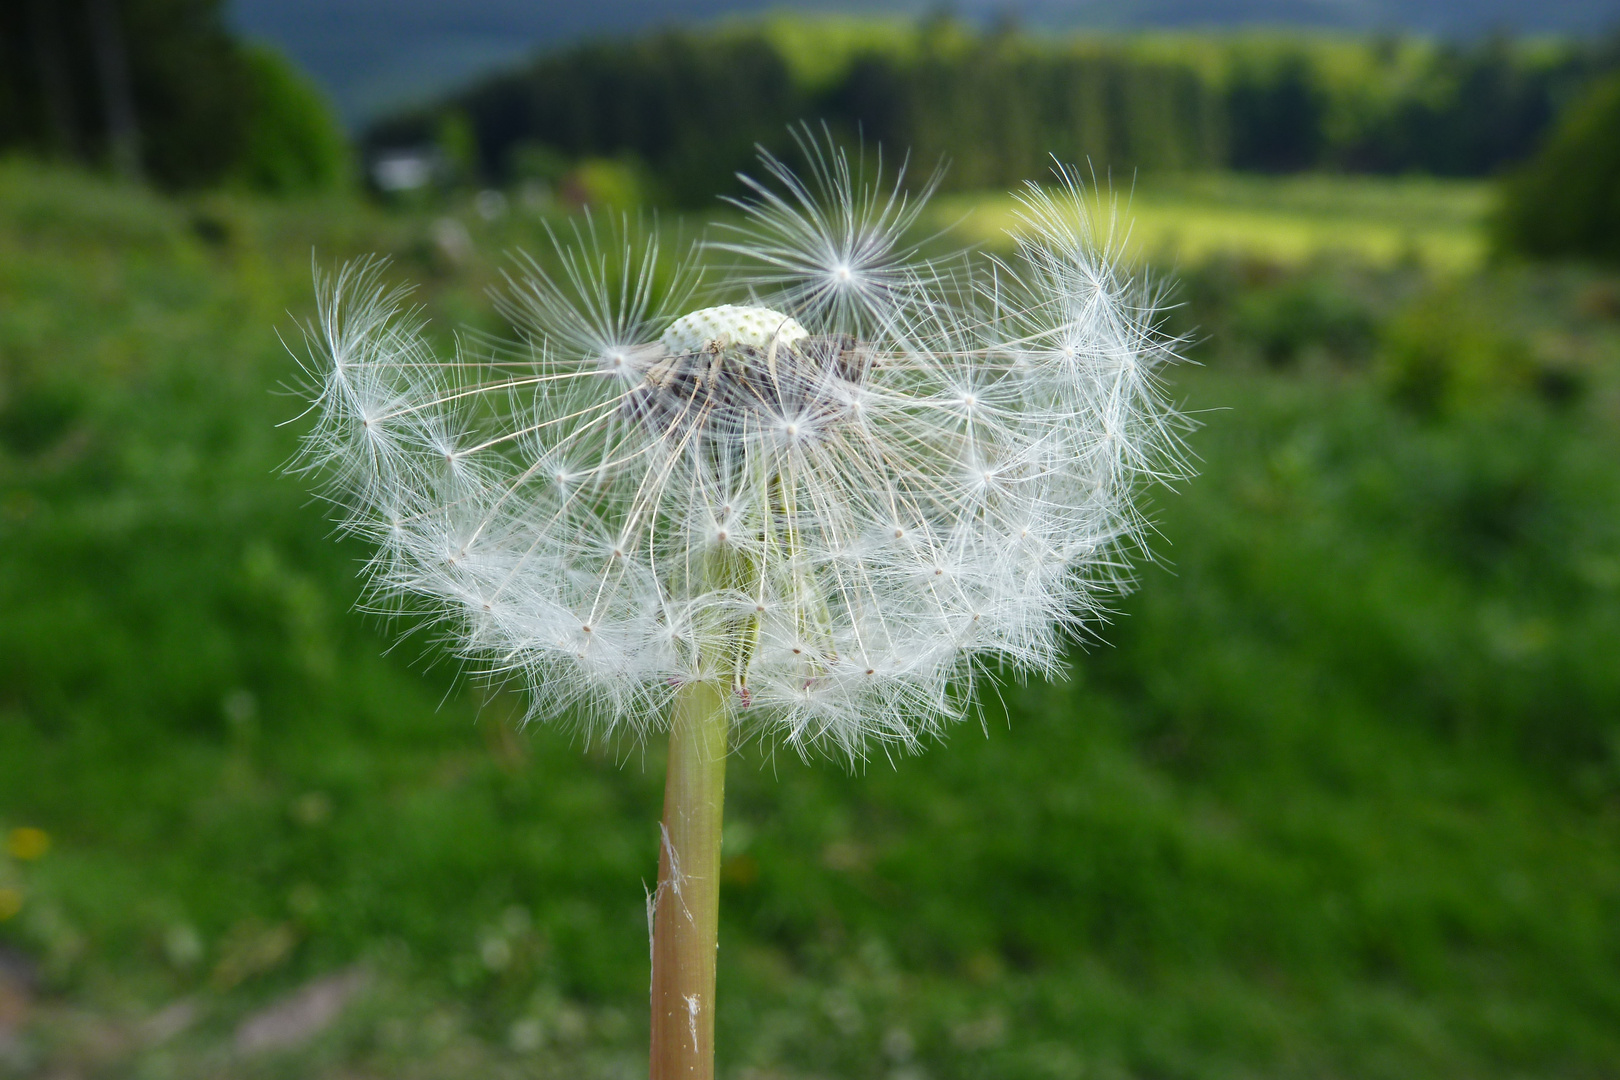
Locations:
(840, 489)
(742, 325)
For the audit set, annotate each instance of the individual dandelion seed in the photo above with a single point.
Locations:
(808, 506)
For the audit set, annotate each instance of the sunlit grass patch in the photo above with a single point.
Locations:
(1289, 220)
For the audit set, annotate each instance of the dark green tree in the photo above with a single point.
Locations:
(1276, 116)
(1566, 200)
(292, 144)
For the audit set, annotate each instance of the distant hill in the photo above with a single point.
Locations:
(373, 55)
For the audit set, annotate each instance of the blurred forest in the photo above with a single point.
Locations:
(1336, 792)
(423, 48)
(160, 90)
(687, 107)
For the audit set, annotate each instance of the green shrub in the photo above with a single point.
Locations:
(606, 184)
(1289, 320)
(1444, 355)
(293, 144)
(1566, 201)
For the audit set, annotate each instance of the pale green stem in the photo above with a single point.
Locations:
(686, 921)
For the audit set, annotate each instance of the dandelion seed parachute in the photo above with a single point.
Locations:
(836, 489)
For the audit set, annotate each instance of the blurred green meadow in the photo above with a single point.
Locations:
(1172, 220)
(1335, 793)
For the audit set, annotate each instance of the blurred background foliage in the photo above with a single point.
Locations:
(1337, 792)
(161, 89)
(1566, 200)
(997, 105)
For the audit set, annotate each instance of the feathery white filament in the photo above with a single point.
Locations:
(833, 497)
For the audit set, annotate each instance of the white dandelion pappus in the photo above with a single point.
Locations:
(835, 492)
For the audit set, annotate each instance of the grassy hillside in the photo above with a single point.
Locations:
(1284, 220)
(1338, 792)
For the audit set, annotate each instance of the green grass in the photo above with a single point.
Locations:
(1337, 794)
(1290, 220)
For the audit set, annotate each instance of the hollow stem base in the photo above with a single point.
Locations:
(686, 919)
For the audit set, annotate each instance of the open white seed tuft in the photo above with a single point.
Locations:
(835, 497)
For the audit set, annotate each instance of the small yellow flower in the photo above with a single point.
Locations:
(28, 843)
(11, 901)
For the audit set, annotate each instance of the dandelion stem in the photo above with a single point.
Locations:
(687, 918)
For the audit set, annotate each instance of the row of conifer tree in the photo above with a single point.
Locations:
(690, 106)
